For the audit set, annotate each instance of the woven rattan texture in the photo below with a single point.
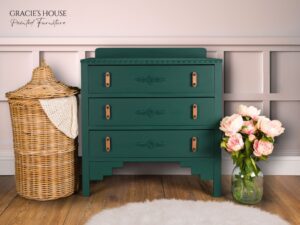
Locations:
(45, 158)
(42, 85)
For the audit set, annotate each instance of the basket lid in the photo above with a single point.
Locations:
(42, 85)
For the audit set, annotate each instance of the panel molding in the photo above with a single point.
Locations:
(21, 64)
(243, 72)
(7, 162)
(217, 46)
(266, 82)
(276, 165)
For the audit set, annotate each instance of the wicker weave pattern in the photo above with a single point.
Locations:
(42, 85)
(39, 179)
(45, 158)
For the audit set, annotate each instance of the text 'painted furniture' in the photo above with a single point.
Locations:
(151, 105)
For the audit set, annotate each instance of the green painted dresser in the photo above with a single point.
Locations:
(151, 105)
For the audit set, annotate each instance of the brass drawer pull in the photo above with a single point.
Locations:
(194, 79)
(107, 79)
(195, 111)
(194, 144)
(107, 112)
(107, 144)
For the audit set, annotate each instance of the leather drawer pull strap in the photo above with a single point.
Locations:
(107, 144)
(194, 79)
(195, 111)
(107, 112)
(194, 144)
(107, 79)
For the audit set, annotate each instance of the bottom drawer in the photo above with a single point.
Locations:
(151, 143)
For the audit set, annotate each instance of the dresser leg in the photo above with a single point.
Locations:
(85, 180)
(217, 188)
(85, 186)
(217, 181)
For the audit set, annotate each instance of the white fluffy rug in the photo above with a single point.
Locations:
(181, 212)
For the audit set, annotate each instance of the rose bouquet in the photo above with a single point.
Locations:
(249, 138)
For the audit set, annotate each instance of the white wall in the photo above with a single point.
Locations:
(148, 18)
(261, 69)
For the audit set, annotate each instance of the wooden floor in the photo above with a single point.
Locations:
(281, 196)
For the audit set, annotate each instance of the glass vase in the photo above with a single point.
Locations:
(247, 188)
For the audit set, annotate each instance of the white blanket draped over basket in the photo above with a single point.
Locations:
(62, 112)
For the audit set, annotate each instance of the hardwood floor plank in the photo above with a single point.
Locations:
(284, 194)
(178, 187)
(24, 211)
(201, 190)
(77, 210)
(57, 212)
(7, 191)
(226, 188)
(291, 184)
(281, 197)
(147, 188)
(85, 207)
(18, 209)
(271, 201)
(113, 192)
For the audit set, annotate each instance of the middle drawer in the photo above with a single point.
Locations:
(151, 111)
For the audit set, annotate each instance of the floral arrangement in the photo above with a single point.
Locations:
(249, 137)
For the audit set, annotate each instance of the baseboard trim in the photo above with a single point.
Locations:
(7, 163)
(276, 165)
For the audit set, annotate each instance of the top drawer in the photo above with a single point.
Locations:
(152, 80)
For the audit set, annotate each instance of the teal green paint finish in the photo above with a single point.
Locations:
(152, 127)
(151, 111)
(151, 143)
(203, 166)
(150, 53)
(151, 100)
(217, 188)
(152, 79)
(84, 131)
(149, 61)
(101, 169)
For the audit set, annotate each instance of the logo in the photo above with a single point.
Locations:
(37, 18)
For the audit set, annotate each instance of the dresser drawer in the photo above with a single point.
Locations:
(152, 79)
(151, 143)
(151, 111)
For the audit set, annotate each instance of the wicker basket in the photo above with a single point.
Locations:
(45, 158)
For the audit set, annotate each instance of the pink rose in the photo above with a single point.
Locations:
(250, 111)
(252, 137)
(231, 124)
(248, 127)
(235, 142)
(262, 148)
(271, 128)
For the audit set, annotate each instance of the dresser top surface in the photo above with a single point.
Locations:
(146, 56)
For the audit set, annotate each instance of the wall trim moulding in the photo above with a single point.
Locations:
(157, 41)
(7, 162)
(268, 60)
(276, 165)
